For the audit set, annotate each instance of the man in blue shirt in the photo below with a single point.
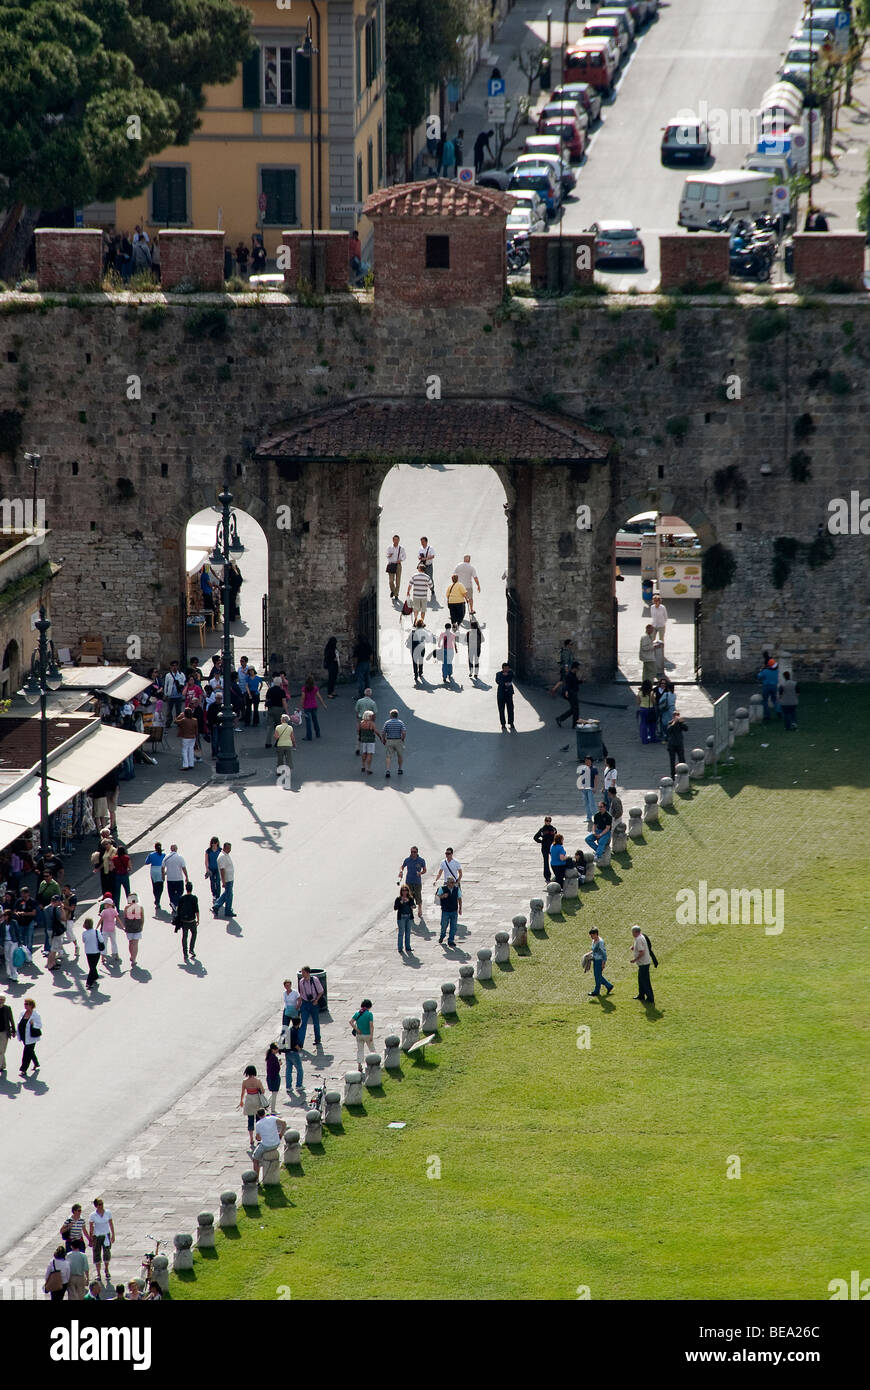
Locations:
(599, 956)
(414, 867)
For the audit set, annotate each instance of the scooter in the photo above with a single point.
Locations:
(517, 254)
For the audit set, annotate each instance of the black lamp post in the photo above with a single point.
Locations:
(227, 760)
(44, 676)
(308, 50)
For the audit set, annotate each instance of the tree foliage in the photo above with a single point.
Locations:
(421, 43)
(73, 73)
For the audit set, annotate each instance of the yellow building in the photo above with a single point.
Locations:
(294, 140)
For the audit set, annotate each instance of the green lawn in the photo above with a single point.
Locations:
(606, 1167)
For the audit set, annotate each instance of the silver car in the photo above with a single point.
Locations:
(617, 241)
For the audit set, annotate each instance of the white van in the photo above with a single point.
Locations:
(742, 192)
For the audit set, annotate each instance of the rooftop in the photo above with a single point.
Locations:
(437, 198)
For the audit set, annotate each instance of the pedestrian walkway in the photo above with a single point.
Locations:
(179, 1163)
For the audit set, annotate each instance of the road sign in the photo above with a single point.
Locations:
(496, 110)
(261, 202)
(781, 200)
(720, 728)
(841, 30)
(465, 174)
(496, 87)
(345, 209)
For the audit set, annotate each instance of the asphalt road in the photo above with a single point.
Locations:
(698, 54)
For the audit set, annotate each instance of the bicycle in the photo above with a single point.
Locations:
(148, 1262)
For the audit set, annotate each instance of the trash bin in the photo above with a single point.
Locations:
(590, 743)
(646, 590)
(321, 975)
(789, 258)
(659, 657)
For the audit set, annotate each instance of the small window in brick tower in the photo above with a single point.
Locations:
(437, 253)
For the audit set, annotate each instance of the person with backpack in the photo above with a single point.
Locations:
(55, 931)
(362, 1026)
(93, 945)
(15, 952)
(289, 1044)
(674, 740)
(57, 1276)
(310, 995)
(273, 1075)
(545, 837)
(643, 957)
(599, 956)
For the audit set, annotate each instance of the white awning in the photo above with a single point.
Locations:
(128, 687)
(21, 807)
(92, 757)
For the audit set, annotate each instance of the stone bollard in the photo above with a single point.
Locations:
(571, 886)
(410, 1032)
(229, 1214)
(696, 771)
(353, 1088)
(650, 807)
(292, 1148)
(590, 866)
(271, 1168)
(160, 1271)
(519, 931)
(742, 721)
(731, 733)
(681, 785)
(392, 1054)
(502, 953)
(313, 1127)
(448, 999)
(183, 1257)
(430, 1016)
(709, 754)
(536, 914)
(756, 709)
(333, 1108)
(666, 794)
(554, 899)
(374, 1076)
(619, 838)
(250, 1190)
(635, 823)
(484, 964)
(466, 982)
(205, 1230)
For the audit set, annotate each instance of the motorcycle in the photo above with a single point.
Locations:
(517, 254)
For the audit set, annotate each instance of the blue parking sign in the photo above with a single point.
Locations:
(496, 87)
(841, 19)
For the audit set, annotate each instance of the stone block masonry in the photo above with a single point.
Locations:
(704, 404)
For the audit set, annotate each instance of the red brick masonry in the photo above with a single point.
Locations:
(337, 257)
(196, 257)
(820, 257)
(697, 259)
(69, 258)
(583, 273)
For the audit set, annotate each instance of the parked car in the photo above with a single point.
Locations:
(524, 222)
(592, 61)
(561, 170)
(608, 29)
(547, 144)
(642, 11)
(624, 15)
(802, 53)
(813, 34)
(539, 178)
(617, 241)
(494, 178)
(532, 201)
(568, 131)
(685, 142)
(628, 537)
(564, 107)
(801, 75)
(581, 92)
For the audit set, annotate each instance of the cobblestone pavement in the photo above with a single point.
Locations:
(178, 1164)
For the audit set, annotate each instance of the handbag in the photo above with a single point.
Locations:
(54, 1282)
(392, 567)
(406, 609)
(253, 1102)
(19, 957)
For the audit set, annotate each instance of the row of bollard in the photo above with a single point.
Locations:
(413, 1027)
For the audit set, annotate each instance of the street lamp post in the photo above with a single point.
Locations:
(307, 48)
(44, 676)
(227, 761)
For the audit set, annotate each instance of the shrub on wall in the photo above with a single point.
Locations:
(718, 567)
(207, 322)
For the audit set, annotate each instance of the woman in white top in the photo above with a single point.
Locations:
(56, 1287)
(133, 921)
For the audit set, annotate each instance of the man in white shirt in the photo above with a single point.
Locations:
(450, 868)
(268, 1133)
(101, 1235)
(174, 875)
(641, 957)
(173, 685)
(227, 871)
(426, 557)
(658, 616)
(395, 556)
(467, 575)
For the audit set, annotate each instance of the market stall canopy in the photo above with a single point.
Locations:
(20, 808)
(92, 757)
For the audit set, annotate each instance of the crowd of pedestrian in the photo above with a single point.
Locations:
(68, 1273)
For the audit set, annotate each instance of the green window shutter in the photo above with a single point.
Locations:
(359, 179)
(302, 97)
(251, 82)
(279, 186)
(358, 65)
(169, 196)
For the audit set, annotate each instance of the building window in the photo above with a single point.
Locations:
(358, 65)
(437, 253)
(279, 186)
(277, 75)
(380, 153)
(370, 158)
(373, 47)
(359, 179)
(169, 195)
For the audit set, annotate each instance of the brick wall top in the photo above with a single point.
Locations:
(697, 259)
(821, 258)
(195, 256)
(69, 258)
